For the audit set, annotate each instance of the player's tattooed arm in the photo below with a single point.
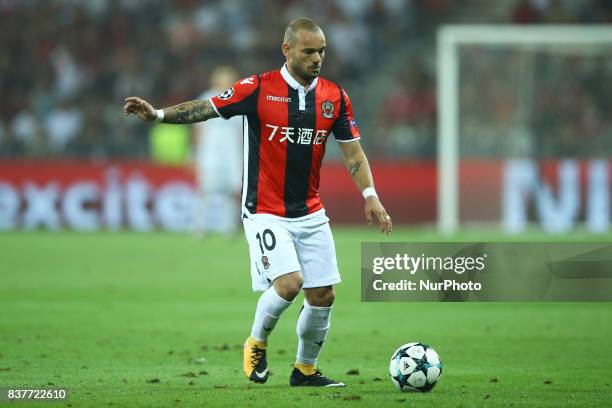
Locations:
(357, 164)
(190, 112)
(354, 168)
(186, 112)
(359, 168)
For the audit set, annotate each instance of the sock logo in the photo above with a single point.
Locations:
(319, 343)
(267, 328)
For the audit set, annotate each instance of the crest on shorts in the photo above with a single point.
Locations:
(328, 109)
(226, 94)
(265, 262)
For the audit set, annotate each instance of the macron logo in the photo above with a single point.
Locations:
(278, 99)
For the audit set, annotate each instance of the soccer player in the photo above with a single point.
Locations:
(288, 116)
(218, 157)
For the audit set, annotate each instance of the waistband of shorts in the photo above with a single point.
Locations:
(315, 214)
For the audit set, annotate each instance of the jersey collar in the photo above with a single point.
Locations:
(295, 84)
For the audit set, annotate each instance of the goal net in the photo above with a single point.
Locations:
(525, 127)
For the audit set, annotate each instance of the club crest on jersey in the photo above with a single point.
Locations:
(227, 94)
(328, 109)
(265, 262)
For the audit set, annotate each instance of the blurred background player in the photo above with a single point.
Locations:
(218, 163)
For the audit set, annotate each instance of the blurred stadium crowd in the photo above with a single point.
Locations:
(553, 102)
(66, 66)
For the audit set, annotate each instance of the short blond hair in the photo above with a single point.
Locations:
(299, 24)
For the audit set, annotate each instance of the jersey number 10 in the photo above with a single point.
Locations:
(263, 239)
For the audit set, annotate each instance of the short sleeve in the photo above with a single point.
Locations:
(345, 128)
(240, 99)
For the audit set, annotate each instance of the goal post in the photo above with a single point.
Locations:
(450, 39)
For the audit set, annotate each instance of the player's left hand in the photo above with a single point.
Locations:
(375, 210)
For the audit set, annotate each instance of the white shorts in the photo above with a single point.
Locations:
(279, 246)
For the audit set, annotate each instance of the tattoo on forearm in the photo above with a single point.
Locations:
(190, 112)
(354, 168)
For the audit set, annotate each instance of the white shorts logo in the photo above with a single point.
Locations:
(227, 94)
(265, 262)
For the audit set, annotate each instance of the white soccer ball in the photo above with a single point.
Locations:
(415, 367)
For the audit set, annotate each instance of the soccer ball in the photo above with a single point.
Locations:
(415, 367)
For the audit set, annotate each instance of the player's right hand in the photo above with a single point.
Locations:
(139, 107)
(374, 209)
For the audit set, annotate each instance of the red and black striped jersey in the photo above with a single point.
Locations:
(286, 128)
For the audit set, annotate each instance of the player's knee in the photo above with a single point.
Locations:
(327, 298)
(321, 297)
(293, 289)
(289, 290)
(288, 286)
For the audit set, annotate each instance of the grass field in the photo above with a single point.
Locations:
(158, 320)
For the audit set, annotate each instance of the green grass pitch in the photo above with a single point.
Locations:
(158, 320)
